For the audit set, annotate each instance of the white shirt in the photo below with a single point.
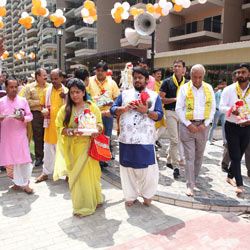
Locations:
(199, 104)
(228, 98)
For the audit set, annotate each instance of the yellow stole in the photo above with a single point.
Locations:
(157, 86)
(99, 84)
(176, 83)
(239, 93)
(190, 101)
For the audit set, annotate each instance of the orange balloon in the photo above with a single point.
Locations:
(140, 11)
(133, 11)
(37, 3)
(92, 12)
(1, 26)
(118, 20)
(27, 26)
(150, 8)
(173, 1)
(53, 18)
(3, 11)
(21, 21)
(177, 8)
(60, 20)
(117, 15)
(57, 24)
(120, 10)
(95, 17)
(34, 11)
(42, 11)
(158, 10)
(28, 19)
(89, 4)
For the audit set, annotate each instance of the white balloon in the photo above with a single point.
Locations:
(156, 5)
(162, 3)
(126, 6)
(47, 13)
(202, 1)
(85, 20)
(165, 11)
(3, 3)
(117, 5)
(169, 5)
(33, 19)
(64, 18)
(156, 15)
(1, 20)
(90, 20)
(44, 3)
(125, 15)
(179, 2)
(59, 12)
(186, 4)
(85, 12)
(25, 14)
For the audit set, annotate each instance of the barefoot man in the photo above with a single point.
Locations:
(138, 166)
(14, 146)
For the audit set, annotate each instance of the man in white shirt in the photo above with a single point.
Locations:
(237, 134)
(195, 107)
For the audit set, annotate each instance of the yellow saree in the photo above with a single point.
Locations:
(83, 171)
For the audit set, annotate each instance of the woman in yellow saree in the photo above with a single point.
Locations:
(72, 152)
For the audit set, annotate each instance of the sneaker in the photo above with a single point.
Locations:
(38, 162)
(169, 165)
(158, 144)
(176, 173)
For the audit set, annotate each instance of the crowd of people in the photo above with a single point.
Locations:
(49, 113)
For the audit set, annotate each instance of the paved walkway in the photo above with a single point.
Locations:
(213, 193)
(44, 221)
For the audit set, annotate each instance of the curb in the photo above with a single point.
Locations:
(185, 201)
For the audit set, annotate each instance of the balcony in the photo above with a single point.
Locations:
(245, 32)
(201, 30)
(85, 49)
(196, 7)
(74, 1)
(86, 30)
(71, 26)
(72, 42)
(246, 6)
(49, 43)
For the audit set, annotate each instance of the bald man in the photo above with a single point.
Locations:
(52, 100)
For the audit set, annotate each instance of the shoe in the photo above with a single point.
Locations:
(2, 169)
(103, 164)
(38, 162)
(248, 173)
(176, 173)
(158, 144)
(169, 165)
(224, 169)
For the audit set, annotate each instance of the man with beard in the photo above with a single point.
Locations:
(138, 166)
(237, 134)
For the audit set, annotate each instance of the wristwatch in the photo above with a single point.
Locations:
(146, 114)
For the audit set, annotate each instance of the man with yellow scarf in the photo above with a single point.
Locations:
(237, 133)
(168, 92)
(195, 107)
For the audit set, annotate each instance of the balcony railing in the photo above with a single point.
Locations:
(79, 24)
(189, 28)
(87, 45)
(246, 1)
(245, 31)
(49, 40)
(73, 39)
(70, 55)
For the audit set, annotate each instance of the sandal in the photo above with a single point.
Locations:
(41, 178)
(28, 190)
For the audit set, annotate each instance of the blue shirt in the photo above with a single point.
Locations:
(217, 98)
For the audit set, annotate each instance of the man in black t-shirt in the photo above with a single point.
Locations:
(168, 93)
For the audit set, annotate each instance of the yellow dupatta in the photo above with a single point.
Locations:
(99, 84)
(190, 101)
(177, 85)
(239, 93)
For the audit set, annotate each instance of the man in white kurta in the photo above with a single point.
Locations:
(195, 107)
(14, 146)
(138, 166)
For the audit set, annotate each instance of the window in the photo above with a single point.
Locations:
(213, 24)
(191, 27)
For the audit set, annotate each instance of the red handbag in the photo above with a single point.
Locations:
(99, 148)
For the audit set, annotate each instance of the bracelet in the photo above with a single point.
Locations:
(70, 132)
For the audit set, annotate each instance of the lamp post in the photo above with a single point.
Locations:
(65, 66)
(60, 34)
(152, 47)
(35, 50)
